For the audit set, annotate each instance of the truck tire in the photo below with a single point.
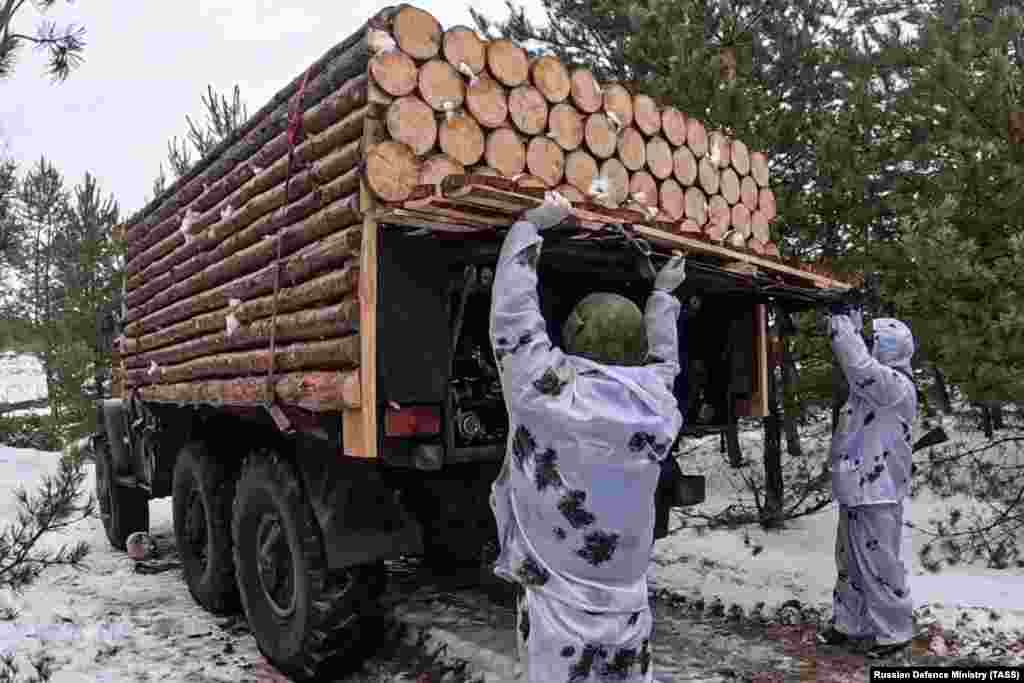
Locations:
(202, 494)
(303, 616)
(123, 509)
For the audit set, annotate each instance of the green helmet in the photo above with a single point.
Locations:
(607, 328)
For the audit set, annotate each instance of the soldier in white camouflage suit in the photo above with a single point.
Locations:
(871, 468)
(574, 502)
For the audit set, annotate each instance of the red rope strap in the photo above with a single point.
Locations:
(294, 130)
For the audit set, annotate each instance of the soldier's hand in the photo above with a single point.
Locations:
(672, 274)
(552, 212)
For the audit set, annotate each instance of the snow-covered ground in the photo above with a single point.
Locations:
(798, 562)
(21, 378)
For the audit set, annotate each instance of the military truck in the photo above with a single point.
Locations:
(304, 364)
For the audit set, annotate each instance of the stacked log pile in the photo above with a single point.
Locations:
(457, 104)
(258, 247)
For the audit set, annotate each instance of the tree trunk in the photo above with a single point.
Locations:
(940, 383)
(773, 483)
(987, 424)
(791, 407)
(732, 443)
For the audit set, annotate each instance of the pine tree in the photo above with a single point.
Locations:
(64, 45)
(221, 117)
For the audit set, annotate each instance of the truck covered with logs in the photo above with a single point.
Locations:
(304, 363)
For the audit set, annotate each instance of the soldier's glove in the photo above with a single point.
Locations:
(552, 212)
(672, 275)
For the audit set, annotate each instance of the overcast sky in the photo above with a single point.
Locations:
(147, 63)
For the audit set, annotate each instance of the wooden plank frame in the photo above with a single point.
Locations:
(759, 399)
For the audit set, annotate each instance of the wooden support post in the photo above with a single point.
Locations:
(759, 402)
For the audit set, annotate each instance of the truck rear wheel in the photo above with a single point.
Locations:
(202, 494)
(302, 615)
(124, 509)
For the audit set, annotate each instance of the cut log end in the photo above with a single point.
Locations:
(551, 78)
(441, 86)
(394, 72)
(508, 62)
(720, 150)
(565, 126)
(759, 226)
(696, 206)
(531, 181)
(766, 203)
(462, 139)
(730, 186)
(748, 193)
(411, 121)
(462, 45)
(600, 136)
(647, 115)
(619, 102)
(741, 220)
(438, 167)
(487, 102)
(673, 124)
(632, 149)
(757, 246)
(684, 165)
(759, 169)
(696, 137)
(528, 109)
(546, 160)
(506, 152)
(740, 157)
(643, 188)
(571, 193)
(585, 92)
(719, 214)
(617, 178)
(659, 158)
(417, 32)
(710, 177)
(580, 170)
(392, 171)
(672, 199)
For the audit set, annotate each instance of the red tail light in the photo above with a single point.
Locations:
(412, 420)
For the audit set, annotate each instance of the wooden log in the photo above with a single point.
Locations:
(741, 219)
(617, 178)
(337, 169)
(619, 104)
(674, 125)
(531, 181)
(462, 45)
(730, 186)
(772, 249)
(441, 86)
(740, 158)
(325, 254)
(672, 199)
(659, 158)
(411, 121)
(334, 354)
(696, 206)
(392, 170)
(508, 62)
(487, 102)
(748, 193)
(233, 234)
(336, 320)
(551, 78)
(570, 193)
(489, 171)
(716, 231)
(417, 32)
(647, 115)
(206, 183)
(720, 150)
(565, 126)
(580, 170)
(586, 93)
(600, 136)
(315, 391)
(462, 139)
(696, 137)
(643, 188)
(632, 149)
(757, 246)
(337, 216)
(505, 152)
(710, 178)
(324, 289)
(759, 169)
(394, 72)
(528, 110)
(735, 240)
(759, 226)
(684, 166)
(343, 110)
(719, 214)
(766, 203)
(438, 167)
(546, 160)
